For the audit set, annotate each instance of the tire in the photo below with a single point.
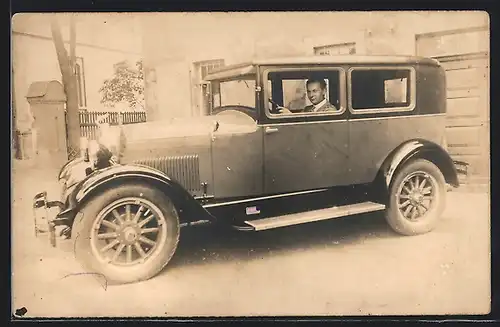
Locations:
(157, 236)
(413, 218)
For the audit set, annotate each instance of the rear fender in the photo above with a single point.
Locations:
(416, 149)
(189, 208)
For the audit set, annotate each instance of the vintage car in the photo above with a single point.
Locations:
(263, 157)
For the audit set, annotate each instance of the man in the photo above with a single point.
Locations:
(316, 92)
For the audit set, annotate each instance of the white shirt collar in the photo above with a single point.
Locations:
(319, 105)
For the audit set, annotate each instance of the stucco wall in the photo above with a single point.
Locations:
(239, 37)
(394, 33)
(173, 41)
(34, 57)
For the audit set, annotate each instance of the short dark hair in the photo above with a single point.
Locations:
(320, 81)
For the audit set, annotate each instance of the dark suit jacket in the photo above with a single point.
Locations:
(326, 107)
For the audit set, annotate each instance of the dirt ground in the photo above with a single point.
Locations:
(347, 266)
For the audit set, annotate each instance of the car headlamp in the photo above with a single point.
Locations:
(111, 141)
(93, 149)
(98, 154)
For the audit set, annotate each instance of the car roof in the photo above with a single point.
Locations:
(248, 68)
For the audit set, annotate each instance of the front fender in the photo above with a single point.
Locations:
(422, 149)
(190, 209)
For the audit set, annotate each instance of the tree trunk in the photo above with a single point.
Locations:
(70, 86)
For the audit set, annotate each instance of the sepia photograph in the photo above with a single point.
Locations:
(250, 164)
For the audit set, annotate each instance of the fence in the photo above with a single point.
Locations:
(89, 119)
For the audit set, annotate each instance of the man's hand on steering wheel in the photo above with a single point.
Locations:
(279, 109)
(283, 110)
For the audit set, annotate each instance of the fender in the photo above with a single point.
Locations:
(418, 148)
(190, 209)
(67, 167)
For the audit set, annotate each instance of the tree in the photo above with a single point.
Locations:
(125, 86)
(66, 65)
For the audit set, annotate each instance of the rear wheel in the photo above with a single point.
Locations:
(127, 233)
(417, 198)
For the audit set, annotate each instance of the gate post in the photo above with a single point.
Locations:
(47, 102)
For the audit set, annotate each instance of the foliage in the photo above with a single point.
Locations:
(125, 86)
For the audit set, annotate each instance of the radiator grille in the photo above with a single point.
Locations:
(183, 169)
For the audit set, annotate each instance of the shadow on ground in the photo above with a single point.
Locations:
(210, 244)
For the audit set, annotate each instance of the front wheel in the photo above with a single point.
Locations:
(127, 233)
(417, 198)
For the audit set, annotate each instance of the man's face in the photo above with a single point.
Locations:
(315, 93)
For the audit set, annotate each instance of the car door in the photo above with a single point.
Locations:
(237, 159)
(382, 116)
(304, 150)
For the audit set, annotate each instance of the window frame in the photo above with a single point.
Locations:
(242, 78)
(336, 46)
(208, 64)
(325, 115)
(412, 92)
(198, 87)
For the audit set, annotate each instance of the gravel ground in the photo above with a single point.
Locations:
(347, 266)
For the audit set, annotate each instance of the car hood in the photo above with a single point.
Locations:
(165, 129)
(180, 136)
(192, 126)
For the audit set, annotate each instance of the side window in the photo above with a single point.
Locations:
(304, 92)
(237, 92)
(381, 89)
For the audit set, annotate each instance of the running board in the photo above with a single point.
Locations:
(315, 215)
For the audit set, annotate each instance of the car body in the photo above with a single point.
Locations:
(250, 166)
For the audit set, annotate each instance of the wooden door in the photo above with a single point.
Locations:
(464, 55)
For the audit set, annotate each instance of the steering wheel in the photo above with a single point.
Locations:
(276, 107)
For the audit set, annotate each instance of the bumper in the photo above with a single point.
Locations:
(461, 167)
(45, 221)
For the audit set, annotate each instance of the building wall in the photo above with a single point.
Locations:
(383, 33)
(188, 38)
(34, 57)
(239, 37)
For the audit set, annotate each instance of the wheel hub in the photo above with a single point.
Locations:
(129, 234)
(122, 235)
(416, 197)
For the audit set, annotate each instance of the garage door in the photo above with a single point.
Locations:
(465, 56)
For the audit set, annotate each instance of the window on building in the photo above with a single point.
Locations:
(205, 67)
(80, 80)
(202, 99)
(335, 49)
(380, 88)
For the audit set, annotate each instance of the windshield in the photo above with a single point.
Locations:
(236, 92)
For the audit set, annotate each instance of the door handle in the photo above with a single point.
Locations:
(270, 130)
